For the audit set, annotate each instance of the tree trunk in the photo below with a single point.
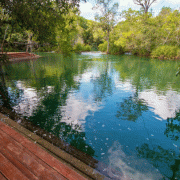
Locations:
(2, 45)
(29, 43)
(107, 42)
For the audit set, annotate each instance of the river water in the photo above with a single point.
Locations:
(122, 110)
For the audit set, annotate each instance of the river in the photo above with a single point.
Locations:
(122, 110)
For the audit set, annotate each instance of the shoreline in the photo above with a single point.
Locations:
(79, 161)
(61, 155)
(20, 56)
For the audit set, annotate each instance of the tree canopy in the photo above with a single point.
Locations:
(57, 25)
(39, 16)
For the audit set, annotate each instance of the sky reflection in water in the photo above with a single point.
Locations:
(124, 111)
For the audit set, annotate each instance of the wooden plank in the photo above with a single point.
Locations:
(28, 159)
(17, 164)
(50, 160)
(9, 170)
(59, 153)
(2, 177)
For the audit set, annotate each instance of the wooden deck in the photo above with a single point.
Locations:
(26, 137)
(20, 56)
(22, 159)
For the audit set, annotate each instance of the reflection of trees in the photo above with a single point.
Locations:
(158, 74)
(173, 127)
(131, 108)
(103, 84)
(165, 160)
(3, 90)
(48, 116)
(59, 76)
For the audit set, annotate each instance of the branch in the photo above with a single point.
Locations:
(138, 2)
(152, 2)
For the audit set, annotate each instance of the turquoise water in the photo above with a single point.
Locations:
(122, 110)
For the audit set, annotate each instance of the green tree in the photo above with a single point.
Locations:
(38, 16)
(107, 18)
(134, 34)
(67, 32)
(144, 35)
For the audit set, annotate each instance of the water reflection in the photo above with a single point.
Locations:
(131, 108)
(164, 104)
(129, 166)
(43, 94)
(77, 109)
(103, 85)
(4, 95)
(173, 127)
(167, 161)
(84, 100)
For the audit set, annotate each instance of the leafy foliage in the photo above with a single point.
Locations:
(41, 17)
(144, 35)
(81, 47)
(165, 52)
(103, 47)
(3, 58)
(56, 25)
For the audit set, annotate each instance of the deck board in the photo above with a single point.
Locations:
(2, 177)
(17, 164)
(9, 170)
(22, 159)
(28, 159)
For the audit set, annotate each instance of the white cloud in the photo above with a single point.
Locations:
(86, 10)
(173, 1)
(130, 166)
(130, 3)
(126, 3)
(88, 13)
(86, 7)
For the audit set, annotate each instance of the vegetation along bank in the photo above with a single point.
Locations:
(45, 25)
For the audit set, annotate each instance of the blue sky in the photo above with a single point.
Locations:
(88, 13)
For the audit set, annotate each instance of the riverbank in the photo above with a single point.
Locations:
(20, 56)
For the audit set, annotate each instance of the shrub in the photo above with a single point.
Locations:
(103, 47)
(64, 47)
(4, 58)
(87, 47)
(165, 52)
(178, 54)
(78, 48)
(140, 52)
(114, 49)
(44, 49)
